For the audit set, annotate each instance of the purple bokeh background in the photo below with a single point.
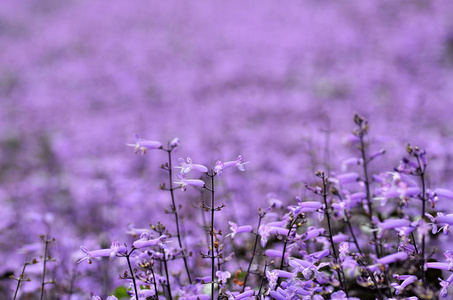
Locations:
(276, 83)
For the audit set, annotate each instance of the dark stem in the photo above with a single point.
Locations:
(423, 196)
(212, 235)
(368, 193)
(175, 210)
(132, 273)
(253, 254)
(372, 277)
(154, 283)
(348, 221)
(341, 278)
(203, 218)
(377, 244)
(20, 278)
(166, 274)
(44, 267)
(262, 279)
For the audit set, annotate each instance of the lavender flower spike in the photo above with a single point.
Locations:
(111, 253)
(142, 145)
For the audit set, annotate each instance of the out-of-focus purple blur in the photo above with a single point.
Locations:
(276, 83)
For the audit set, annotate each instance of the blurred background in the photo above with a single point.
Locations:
(276, 83)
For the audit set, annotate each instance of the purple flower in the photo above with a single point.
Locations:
(186, 167)
(220, 166)
(274, 253)
(272, 277)
(438, 265)
(142, 145)
(111, 253)
(344, 250)
(175, 142)
(389, 224)
(184, 182)
(445, 284)
(393, 258)
(407, 280)
(223, 277)
(145, 242)
(345, 178)
(305, 206)
(340, 295)
(238, 229)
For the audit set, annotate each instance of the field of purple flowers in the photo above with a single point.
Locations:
(282, 151)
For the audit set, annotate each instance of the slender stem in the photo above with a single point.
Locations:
(362, 258)
(341, 278)
(257, 236)
(175, 210)
(423, 196)
(44, 267)
(203, 218)
(132, 273)
(262, 279)
(154, 283)
(279, 281)
(377, 244)
(368, 193)
(20, 278)
(166, 274)
(212, 235)
(372, 278)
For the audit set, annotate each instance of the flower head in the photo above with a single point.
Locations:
(184, 182)
(142, 145)
(186, 167)
(111, 253)
(220, 166)
(223, 277)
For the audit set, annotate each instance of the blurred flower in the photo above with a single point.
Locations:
(186, 167)
(111, 253)
(184, 182)
(142, 145)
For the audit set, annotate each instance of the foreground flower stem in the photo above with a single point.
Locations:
(368, 192)
(422, 169)
(175, 210)
(21, 278)
(166, 274)
(262, 279)
(45, 259)
(154, 283)
(212, 189)
(253, 254)
(132, 272)
(340, 273)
